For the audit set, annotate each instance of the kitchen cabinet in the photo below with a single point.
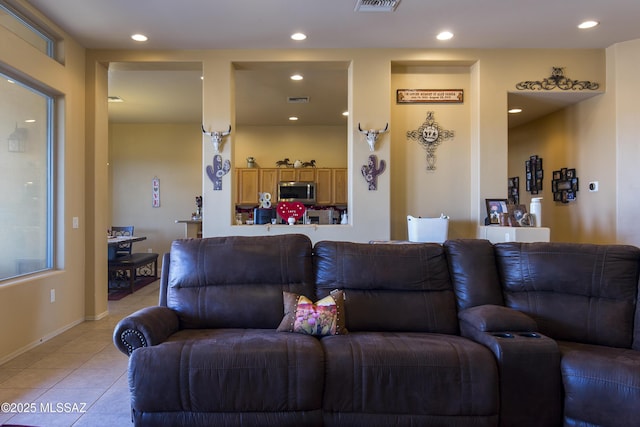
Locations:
(297, 174)
(247, 186)
(324, 187)
(331, 184)
(269, 182)
(288, 174)
(339, 182)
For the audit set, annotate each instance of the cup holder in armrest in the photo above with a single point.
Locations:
(503, 335)
(529, 335)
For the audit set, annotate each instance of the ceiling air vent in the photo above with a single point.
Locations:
(298, 99)
(376, 5)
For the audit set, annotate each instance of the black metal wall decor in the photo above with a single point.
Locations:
(430, 135)
(564, 185)
(534, 174)
(557, 80)
(513, 190)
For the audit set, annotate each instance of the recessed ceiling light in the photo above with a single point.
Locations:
(140, 37)
(293, 118)
(298, 36)
(114, 99)
(588, 24)
(445, 35)
(296, 77)
(514, 110)
(30, 121)
(346, 113)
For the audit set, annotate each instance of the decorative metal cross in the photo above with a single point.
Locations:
(430, 135)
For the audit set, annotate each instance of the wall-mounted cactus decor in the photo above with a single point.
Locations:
(217, 171)
(371, 170)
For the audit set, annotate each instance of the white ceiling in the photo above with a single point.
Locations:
(267, 24)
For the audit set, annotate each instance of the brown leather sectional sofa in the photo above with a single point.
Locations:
(464, 334)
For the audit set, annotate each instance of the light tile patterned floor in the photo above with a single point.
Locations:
(76, 379)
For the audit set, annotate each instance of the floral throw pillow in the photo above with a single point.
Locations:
(324, 317)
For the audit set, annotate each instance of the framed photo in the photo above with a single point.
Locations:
(494, 208)
(564, 185)
(513, 190)
(517, 211)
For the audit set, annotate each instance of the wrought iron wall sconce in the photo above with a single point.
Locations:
(564, 185)
(557, 80)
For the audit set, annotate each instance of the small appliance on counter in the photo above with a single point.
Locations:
(264, 215)
(320, 216)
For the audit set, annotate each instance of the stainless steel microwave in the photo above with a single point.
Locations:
(297, 191)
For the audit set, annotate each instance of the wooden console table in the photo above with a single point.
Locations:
(192, 227)
(499, 234)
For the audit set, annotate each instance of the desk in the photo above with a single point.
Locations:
(499, 234)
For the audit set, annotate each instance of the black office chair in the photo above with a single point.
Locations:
(123, 248)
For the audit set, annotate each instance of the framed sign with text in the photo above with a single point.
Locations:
(429, 96)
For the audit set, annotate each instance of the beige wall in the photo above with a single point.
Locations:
(327, 145)
(480, 145)
(417, 191)
(138, 152)
(623, 110)
(571, 139)
(27, 317)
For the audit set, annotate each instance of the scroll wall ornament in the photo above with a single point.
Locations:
(217, 171)
(372, 170)
(430, 135)
(557, 80)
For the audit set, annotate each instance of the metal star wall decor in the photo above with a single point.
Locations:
(557, 80)
(430, 135)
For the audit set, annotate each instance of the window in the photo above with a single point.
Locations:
(26, 179)
(24, 28)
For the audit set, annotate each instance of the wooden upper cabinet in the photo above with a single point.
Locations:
(340, 186)
(247, 186)
(306, 174)
(324, 188)
(269, 182)
(297, 174)
(331, 184)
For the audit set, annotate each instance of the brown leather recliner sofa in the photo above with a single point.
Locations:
(210, 353)
(584, 296)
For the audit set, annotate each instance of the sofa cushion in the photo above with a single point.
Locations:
(237, 282)
(602, 385)
(389, 287)
(575, 292)
(324, 317)
(228, 370)
(416, 374)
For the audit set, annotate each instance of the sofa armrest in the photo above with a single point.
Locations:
(144, 328)
(528, 364)
(495, 318)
